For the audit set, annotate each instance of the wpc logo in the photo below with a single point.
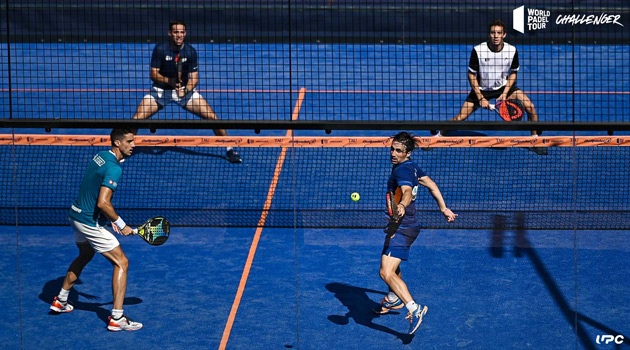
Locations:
(607, 338)
(536, 19)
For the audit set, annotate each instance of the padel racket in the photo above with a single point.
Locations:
(155, 231)
(510, 110)
(179, 66)
(392, 211)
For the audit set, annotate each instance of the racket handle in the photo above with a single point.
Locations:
(491, 107)
(135, 231)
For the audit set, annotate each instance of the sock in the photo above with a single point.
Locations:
(116, 314)
(439, 134)
(412, 306)
(227, 149)
(392, 297)
(63, 296)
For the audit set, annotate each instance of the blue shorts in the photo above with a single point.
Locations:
(398, 244)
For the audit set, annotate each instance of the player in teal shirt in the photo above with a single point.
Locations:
(103, 170)
(89, 216)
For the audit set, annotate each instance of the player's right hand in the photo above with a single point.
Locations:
(126, 231)
(484, 103)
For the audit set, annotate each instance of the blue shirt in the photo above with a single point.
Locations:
(406, 174)
(163, 58)
(103, 170)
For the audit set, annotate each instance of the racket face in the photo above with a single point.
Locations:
(155, 231)
(511, 110)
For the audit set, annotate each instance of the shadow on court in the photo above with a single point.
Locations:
(52, 287)
(163, 150)
(360, 309)
(523, 247)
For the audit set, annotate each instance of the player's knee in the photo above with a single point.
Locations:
(86, 252)
(386, 274)
(86, 257)
(124, 263)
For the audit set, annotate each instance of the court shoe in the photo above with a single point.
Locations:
(415, 318)
(124, 323)
(387, 306)
(233, 157)
(60, 307)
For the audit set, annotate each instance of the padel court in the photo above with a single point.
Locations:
(546, 268)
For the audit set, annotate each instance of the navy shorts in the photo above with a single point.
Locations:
(397, 245)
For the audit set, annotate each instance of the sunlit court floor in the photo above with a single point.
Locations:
(315, 289)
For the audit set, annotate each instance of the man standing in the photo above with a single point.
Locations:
(89, 216)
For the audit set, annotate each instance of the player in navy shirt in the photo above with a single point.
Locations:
(492, 72)
(406, 177)
(89, 215)
(168, 86)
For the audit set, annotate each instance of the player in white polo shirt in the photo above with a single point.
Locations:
(492, 72)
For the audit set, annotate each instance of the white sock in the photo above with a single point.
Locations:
(412, 306)
(439, 134)
(392, 297)
(227, 149)
(63, 295)
(116, 314)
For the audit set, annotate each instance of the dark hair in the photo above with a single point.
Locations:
(407, 139)
(174, 23)
(496, 22)
(119, 134)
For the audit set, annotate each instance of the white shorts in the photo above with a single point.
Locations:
(100, 238)
(164, 97)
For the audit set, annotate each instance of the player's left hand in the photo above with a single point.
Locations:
(449, 215)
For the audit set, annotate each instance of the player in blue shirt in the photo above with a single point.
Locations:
(89, 215)
(168, 86)
(406, 176)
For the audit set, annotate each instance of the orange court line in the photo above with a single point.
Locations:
(259, 228)
(313, 142)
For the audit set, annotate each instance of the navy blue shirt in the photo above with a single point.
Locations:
(406, 174)
(163, 58)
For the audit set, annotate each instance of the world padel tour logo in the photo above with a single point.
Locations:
(537, 19)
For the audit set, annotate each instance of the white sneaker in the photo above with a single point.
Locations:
(60, 307)
(123, 324)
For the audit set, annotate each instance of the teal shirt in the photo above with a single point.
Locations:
(103, 170)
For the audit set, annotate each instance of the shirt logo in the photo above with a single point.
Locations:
(113, 183)
(98, 160)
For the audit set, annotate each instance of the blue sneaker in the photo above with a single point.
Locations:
(415, 318)
(387, 305)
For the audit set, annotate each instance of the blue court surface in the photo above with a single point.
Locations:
(315, 288)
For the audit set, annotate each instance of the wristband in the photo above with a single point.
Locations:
(120, 223)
